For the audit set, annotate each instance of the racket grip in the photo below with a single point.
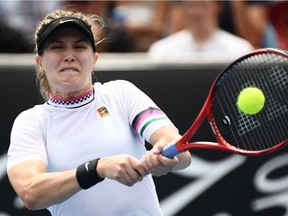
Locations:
(170, 151)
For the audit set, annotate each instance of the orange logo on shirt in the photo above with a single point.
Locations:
(103, 111)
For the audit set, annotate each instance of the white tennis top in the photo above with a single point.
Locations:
(111, 119)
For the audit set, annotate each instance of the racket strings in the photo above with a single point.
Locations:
(273, 106)
(266, 128)
(245, 124)
(273, 77)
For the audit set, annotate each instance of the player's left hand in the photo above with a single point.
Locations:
(157, 164)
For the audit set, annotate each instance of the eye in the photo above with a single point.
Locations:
(81, 45)
(56, 46)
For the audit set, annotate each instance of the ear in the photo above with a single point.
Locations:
(95, 58)
(39, 62)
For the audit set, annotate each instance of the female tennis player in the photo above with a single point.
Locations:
(82, 152)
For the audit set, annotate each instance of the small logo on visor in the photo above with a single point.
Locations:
(64, 21)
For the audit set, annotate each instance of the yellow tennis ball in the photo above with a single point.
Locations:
(251, 100)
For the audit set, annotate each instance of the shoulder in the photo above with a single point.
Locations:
(173, 38)
(31, 114)
(170, 41)
(116, 90)
(113, 85)
(229, 37)
(30, 122)
(231, 42)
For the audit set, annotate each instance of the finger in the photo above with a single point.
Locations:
(156, 150)
(151, 168)
(128, 179)
(127, 176)
(124, 181)
(157, 164)
(139, 168)
(134, 173)
(147, 164)
(168, 162)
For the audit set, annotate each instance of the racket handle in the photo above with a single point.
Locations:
(170, 151)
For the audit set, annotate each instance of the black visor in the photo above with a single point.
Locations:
(65, 22)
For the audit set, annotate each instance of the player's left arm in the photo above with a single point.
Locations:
(157, 164)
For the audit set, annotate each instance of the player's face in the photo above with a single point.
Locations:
(68, 61)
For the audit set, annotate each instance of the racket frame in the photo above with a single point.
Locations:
(183, 144)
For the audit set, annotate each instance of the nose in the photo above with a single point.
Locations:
(69, 57)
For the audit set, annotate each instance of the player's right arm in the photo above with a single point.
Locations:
(39, 189)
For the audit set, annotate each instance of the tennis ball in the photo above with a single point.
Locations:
(251, 100)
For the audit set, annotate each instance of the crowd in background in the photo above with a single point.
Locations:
(142, 26)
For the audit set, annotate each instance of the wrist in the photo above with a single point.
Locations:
(99, 168)
(86, 174)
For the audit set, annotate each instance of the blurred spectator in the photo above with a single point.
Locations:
(113, 36)
(249, 20)
(21, 18)
(145, 20)
(279, 18)
(92, 7)
(202, 34)
(12, 41)
(174, 18)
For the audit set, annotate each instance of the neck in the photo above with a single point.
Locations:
(71, 94)
(74, 102)
(202, 33)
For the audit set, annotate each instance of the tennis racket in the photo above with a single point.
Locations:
(235, 131)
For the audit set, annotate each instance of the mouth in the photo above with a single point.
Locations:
(70, 69)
